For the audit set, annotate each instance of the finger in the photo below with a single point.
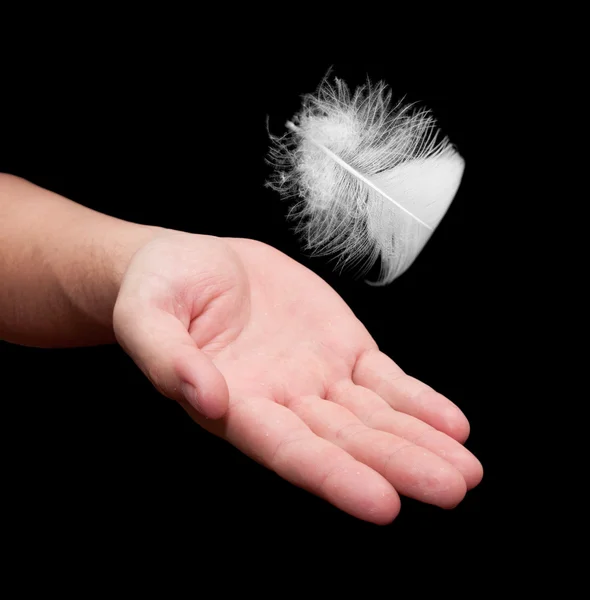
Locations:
(163, 349)
(278, 439)
(412, 470)
(376, 371)
(375, 413)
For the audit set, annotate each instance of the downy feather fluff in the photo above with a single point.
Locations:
(373, 178)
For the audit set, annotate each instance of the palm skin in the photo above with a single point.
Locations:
(279, 366)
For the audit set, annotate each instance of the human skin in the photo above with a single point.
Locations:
(256, 348)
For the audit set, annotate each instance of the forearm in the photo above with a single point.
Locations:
(61, 265)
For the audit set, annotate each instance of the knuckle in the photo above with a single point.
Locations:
(277, 455)
(327, 477)
(348, 431)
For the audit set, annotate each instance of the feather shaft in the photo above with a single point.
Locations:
(358, 175)
(373, 180)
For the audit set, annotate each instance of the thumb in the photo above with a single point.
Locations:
(162, 348)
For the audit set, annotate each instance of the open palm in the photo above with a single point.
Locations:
(262, 352)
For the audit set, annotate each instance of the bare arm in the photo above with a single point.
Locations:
(257, 348)
(61, 266)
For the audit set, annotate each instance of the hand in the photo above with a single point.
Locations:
(262, 352)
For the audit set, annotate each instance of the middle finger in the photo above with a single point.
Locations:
(412, 470)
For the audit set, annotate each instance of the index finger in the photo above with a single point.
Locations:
(277, 438)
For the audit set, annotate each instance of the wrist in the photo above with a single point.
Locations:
(113, 250)
(61, 266)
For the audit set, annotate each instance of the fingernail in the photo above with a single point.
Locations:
(190, 394)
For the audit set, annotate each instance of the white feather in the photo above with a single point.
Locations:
(373, 178)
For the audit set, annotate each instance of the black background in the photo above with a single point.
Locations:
(92, 452)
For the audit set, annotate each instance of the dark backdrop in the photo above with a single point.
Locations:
(92, 451)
